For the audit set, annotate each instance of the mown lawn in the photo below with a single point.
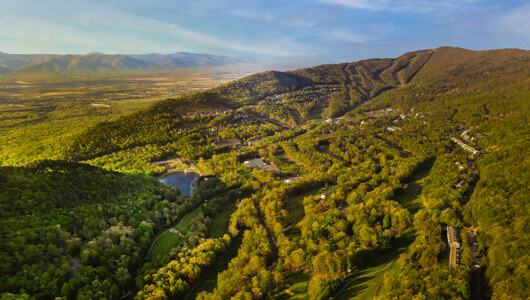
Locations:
(368, 287)
(184, 223)
(164, 243)
(294, 286)
(410, 197)
(220, 222)
(167, 240)
(295, 206)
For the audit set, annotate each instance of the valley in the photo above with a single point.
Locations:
(40, 113)
(330, 182)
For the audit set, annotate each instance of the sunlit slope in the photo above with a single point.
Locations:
(412, 79)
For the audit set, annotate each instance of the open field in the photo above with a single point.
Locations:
(164, 243)
(167, 240)
(184, 222)
(370, 279)
(295, 206)
(410, 197)
(39, 115)
(220, 222)
(294, 287)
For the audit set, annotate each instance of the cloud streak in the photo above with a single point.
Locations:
(320, 30)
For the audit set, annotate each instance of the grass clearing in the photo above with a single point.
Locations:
(410, 197)
(221, 221)
(368, 287)
(166, 240)
(318, 113)
(294, 286)
(295, 207)
(163, 244)
(184, 222)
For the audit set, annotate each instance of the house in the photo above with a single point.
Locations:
(465, 146)
(461, 184)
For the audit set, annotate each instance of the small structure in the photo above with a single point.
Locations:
(465, 146)
(461, 184)
(459, 165)
(393, 128)
(292, 179)
(255, 163)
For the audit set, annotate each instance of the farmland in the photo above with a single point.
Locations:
(39, 115)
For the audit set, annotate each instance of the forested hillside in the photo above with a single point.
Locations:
(401, 178)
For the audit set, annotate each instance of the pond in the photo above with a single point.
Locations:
(183, 181)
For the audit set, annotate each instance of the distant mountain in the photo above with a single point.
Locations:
(15, 61)
(373, 82)
(99, 62)
(185, 59)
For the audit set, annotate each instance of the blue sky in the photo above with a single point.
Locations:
(316, 31)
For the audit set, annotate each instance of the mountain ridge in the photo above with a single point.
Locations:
(100, 62)
(358, 82)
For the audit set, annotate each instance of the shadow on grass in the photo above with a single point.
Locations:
(354, 287)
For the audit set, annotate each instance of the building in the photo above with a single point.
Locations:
(461, 184)
(393, 128)
(255, 163)
(465, 146)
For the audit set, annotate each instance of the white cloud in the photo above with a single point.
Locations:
(419, 6)
(101, 28)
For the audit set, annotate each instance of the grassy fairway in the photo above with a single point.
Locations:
(208, 280)
(183, 224)
(164, 243)
(166, 240)
(370, 279)
(220, 222)
(295, 206)
(294, 287)
(410, 198)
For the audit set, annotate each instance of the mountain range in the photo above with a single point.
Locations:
(99, 62)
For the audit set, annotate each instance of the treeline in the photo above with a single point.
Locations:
(74, 230)
(354, 222)
(159, 123)
(425, 271)
(175, 278)
(499, 208)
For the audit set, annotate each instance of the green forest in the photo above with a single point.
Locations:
(403, 178)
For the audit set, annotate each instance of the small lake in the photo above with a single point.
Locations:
(181, 181)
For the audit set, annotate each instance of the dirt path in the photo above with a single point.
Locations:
(154, 243)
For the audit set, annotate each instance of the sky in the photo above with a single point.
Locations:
(310, 31)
